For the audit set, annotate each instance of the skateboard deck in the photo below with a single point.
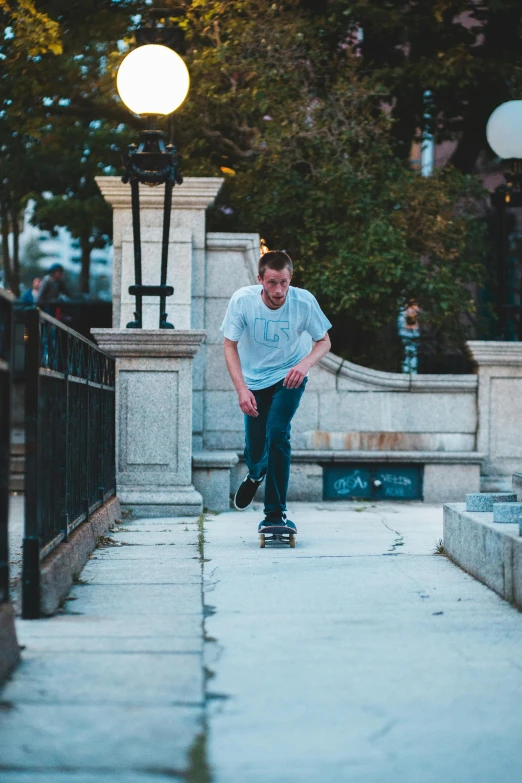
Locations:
(277, 534)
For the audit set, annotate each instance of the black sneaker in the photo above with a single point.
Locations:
(246, 492)
(277, 519)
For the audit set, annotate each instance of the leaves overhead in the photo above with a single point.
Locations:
(31, 32)
(303, 134)
(308, 108)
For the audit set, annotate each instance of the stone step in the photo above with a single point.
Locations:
(16, 482)
(17, 464)
(484, 501)
(517, 484)
(491, 553)
(510, 513)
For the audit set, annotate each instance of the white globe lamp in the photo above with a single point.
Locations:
(153, 80)
(504, 130)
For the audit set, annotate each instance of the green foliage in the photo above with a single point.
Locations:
(309, 161)
(73, 154)
(32, 32)
(60, 124)
(310, 126)
(466, 53)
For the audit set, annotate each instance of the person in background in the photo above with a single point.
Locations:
(30, 296)
(52, 289)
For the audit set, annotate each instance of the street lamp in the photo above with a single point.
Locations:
(504, 130)
(152, 81)
(504, 135)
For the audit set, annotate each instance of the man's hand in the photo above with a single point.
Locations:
(295, 376)
(247, 402)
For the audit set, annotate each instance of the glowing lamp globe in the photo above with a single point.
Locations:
(153, 79)
(504, 130)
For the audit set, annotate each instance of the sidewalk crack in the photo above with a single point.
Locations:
(399, 540)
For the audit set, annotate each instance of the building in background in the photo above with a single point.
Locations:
(39, 250)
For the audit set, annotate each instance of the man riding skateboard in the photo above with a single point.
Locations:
(274, 333)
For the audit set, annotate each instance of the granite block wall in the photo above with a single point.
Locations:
(345, 406)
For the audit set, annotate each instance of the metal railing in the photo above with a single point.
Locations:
(6, 375)
(69, 424)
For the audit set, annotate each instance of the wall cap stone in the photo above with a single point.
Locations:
(495, 352)
(396, 380)
(248, 244)
(223, 240)
(214, 459)
(194, 193)
(435, 457)
(165, 343)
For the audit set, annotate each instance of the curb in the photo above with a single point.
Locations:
(67, 560)
(9, 650)
(489, 551)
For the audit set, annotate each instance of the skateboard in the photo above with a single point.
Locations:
(277, 533)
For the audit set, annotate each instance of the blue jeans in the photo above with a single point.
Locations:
(267, 441)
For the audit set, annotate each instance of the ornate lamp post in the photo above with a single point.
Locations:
(152, 81)
(504, 135)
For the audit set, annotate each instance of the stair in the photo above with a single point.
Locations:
(484, 537)
(17, 461)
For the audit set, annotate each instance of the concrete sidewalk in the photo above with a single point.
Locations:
(360, 656)
(113, 689)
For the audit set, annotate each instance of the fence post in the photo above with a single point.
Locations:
(6, 374)
(31, 543)
(65, 464)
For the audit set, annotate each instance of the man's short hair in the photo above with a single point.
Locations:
(277, 260)
(55, 268)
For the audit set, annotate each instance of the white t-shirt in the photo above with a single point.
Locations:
(271, 342)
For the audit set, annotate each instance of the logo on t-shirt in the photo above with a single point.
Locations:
(273, 334)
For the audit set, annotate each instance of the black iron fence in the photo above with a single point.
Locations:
(6, 321)
(69, 425)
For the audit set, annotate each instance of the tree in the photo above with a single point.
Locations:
(298, 127)
(466, 53)
(28, 34)
(31, 32)
(310, 124)
(73, 155)
(55, 89)
(18, 176)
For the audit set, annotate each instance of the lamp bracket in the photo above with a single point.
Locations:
(151, 290)
(151, 161)
(162, 31)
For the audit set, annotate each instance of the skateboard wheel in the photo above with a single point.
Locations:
(292, 542)
(262, 540)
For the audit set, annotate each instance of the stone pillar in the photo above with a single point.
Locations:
(154, 386)
(186, 269)
(154, 419)
(499, 434)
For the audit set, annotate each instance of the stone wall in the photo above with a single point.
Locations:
(451, 424)
(499, 414)
(348, 413)
(345, 406)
